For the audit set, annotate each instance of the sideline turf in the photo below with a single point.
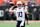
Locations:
(14, 24)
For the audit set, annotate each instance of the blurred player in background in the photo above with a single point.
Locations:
(20, 14)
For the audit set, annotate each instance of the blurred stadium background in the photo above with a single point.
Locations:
(8, 20)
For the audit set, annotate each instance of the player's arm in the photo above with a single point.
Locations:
(27, 13)
(26, 10)
(26, 7)
(11, 9)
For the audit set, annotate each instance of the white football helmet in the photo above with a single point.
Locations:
(19, 4)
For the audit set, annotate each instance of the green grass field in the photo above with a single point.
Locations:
(14, 24)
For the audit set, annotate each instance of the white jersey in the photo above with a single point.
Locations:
(20, 13)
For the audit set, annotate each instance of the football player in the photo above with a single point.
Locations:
(20, 14)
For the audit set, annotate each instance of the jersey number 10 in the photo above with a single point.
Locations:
(19, 14)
